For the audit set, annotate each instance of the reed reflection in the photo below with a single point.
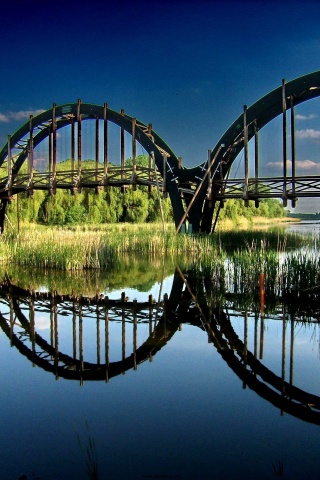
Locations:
(194, 299)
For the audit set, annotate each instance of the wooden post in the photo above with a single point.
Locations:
(98, 334)
(107, 345)
(73, 149)
(56, 339)
(245, 352)
(122, 152)
(30, 162)
(81, 344)
(256, 162)
(32, 329)
(54, 140)
(262, 292)
(209, 193)
(150, 161)
(9, 170)
(105, 144)
(261, 336)
(283, 363)
(50, 155)
(123, 335)
(165, 307)
(79, 144)
(135, 334)
(246, 160)
(164, 176)
(97, 153)
(74, 333)
(291, 350)
(134, 155)
(262, 286)
(150, 314)
(256, 317)
(284, 142)
(293, 152)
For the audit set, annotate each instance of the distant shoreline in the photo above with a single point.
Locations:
(255, 222)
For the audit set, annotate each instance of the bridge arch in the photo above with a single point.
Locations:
(245, 127)
(199, 186)
(46, 124)
(182, 307)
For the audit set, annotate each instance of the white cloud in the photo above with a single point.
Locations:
(42, 323)
(18, 116)
(307, 166)
(308, 133)
(305, 117)
(4, 118)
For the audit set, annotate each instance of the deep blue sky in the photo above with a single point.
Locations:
(187, 67)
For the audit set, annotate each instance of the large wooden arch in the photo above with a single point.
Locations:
(200, 199)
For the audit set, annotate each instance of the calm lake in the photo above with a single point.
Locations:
(148, 371)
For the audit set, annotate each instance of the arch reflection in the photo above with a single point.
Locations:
(192, 301)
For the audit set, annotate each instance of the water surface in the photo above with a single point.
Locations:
(193, 387)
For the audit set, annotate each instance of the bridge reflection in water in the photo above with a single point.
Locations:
(191, 301)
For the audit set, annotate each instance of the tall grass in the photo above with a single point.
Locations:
(97, 248)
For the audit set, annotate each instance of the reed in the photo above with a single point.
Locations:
(80, 248)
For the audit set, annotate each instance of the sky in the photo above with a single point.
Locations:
(187, 67)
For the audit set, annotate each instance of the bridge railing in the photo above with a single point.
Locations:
(68, 179)
(267, 187)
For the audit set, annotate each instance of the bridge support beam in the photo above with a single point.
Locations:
(199, 191)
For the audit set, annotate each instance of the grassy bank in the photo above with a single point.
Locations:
(230, 262)
(77, 248)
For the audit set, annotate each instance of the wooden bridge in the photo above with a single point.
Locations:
(196, 193)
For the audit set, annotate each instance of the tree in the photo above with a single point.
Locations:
(135, 203)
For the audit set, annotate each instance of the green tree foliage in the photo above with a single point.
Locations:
(235, 208)
(23, 205)
(135, 206)
(112, 205)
